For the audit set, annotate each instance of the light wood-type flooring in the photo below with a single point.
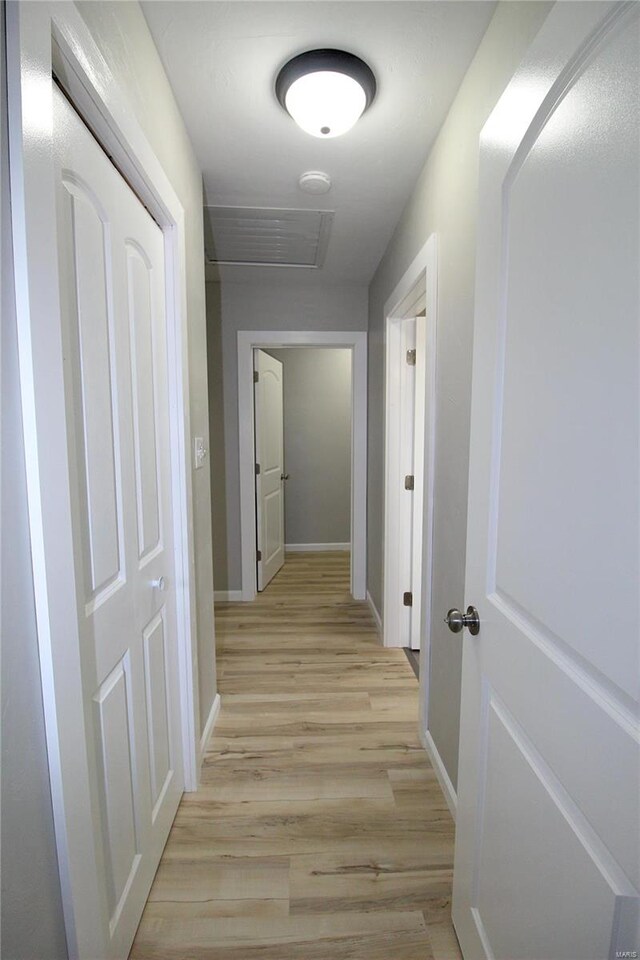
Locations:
(319, 831)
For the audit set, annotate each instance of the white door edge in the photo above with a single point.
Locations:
(36, 34)
(268, 409)
(416, 290)
(356, 341)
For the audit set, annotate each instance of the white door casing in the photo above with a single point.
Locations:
(547, 862)
(269, 445)
(111, 262)
(410, 323)
(354, 340)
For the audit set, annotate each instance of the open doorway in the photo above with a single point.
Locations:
(410, 333)
(302, 422)
(278, 343)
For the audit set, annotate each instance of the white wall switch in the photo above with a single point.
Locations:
(199, 452)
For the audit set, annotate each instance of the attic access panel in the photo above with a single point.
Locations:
(267, 237)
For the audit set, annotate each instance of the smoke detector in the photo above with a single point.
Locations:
(314, 181)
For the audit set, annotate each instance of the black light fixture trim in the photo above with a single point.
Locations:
(335, 61)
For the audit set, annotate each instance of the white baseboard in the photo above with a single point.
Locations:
(441, 773)
(314, 547)
(227, 596)
(375, 613)
(209, 725)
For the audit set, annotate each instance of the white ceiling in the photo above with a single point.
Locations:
(222, 59)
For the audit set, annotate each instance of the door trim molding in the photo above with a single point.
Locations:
(209, 725)
(356, 341)
(444, 780)
(375, 614)
(41, 38)
(417, 290)
(316, 547)
(227, 596)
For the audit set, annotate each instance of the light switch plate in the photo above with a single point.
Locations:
(199, 452)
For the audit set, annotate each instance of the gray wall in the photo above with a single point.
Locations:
(31, 915)
(444, 202)
(120, 31)
(280, 304)
(317, 444)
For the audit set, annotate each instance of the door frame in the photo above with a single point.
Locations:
(42, 38)
(416, 291)
(356, 341)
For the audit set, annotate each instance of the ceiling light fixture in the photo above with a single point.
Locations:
(325, 91)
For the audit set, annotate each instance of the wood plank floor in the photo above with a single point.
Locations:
(319, 831)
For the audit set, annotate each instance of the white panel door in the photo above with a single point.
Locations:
(111, 256)
(547, 863)
(409, 542)
(269, 421)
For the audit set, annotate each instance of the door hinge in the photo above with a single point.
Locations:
(411, 358)
(257, 469)
(259, 554)
(256, 376)
(407, 598)
(408, 482)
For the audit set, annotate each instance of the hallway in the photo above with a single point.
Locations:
(319, 830)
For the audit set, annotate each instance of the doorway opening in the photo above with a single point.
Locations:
(300, 527)
(302, 417)
(410, 341)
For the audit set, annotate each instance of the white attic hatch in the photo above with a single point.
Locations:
(266, 236)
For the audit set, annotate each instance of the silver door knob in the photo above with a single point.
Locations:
(159, 584)
(456, 620)
(284, 476)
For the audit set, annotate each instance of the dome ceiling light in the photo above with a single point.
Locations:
(325, 91)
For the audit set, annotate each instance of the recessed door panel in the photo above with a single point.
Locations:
(94, 391)
(571, 711)
(158, 711)
(144, 415)
(570, 411)
(273, 524)
(116, 749)
(525, 813)
(271, 446)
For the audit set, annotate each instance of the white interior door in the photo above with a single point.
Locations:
(408, 453)
(547, 863)
(410, 611)
(269, 438)
(413, 428)
(111, 256)
(420, 498)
